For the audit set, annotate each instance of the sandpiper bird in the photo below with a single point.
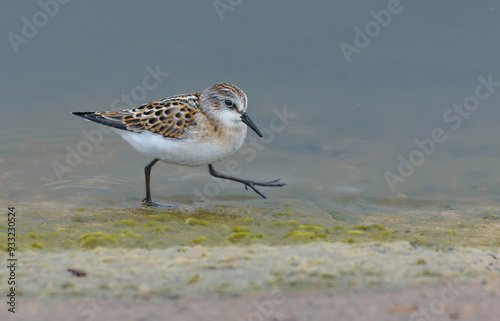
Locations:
(189, 130)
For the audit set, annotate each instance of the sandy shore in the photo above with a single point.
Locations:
(314, 281)
(218, 272)
(470, 301)
(286, 260)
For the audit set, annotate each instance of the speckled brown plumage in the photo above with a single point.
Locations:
(170, 117)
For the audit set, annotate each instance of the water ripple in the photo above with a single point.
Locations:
(86, 182)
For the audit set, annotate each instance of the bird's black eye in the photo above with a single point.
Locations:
(228, 103)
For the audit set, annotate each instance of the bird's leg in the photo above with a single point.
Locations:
(247, 183)
(147, 173)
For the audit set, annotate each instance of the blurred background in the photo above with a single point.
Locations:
(395, 100)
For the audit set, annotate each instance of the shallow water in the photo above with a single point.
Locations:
(384, 172)
(353, 122)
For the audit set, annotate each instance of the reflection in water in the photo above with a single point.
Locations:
(86, 182)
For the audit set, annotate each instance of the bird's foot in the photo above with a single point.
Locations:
(252, 184)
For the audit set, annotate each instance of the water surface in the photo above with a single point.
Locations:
(356, 117)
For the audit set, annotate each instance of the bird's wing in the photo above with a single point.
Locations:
(169, 117)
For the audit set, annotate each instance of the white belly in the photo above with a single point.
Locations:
(187, 152)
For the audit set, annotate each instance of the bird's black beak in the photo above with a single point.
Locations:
(249, 123)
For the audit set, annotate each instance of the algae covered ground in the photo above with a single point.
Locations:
(253, 246)
(436, 226)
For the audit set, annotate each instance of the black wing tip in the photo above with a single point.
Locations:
(92, 116)
(82, 113)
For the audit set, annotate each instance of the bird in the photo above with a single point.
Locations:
(188, 130)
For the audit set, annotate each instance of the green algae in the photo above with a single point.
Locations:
(238, 236)
(35, 235)
(371, 227)
(430, 273)
(128, 223)
(95, 239)
(490, 216)
(302, 234)
(283, 223)
(104, 217)
(199, 239)
(245, 220)
(240, 229)
(308, 226)
(377, 226)
(36, 245)
(162, 228)
(348, 240)
(360, 227)
(159, 228)
(194, 221)
(127, 232)
(194, 278)
(156, 226)
(288, 212)
(79, 218)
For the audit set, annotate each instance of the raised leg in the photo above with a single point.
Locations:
(147, 173)
(247, 183)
